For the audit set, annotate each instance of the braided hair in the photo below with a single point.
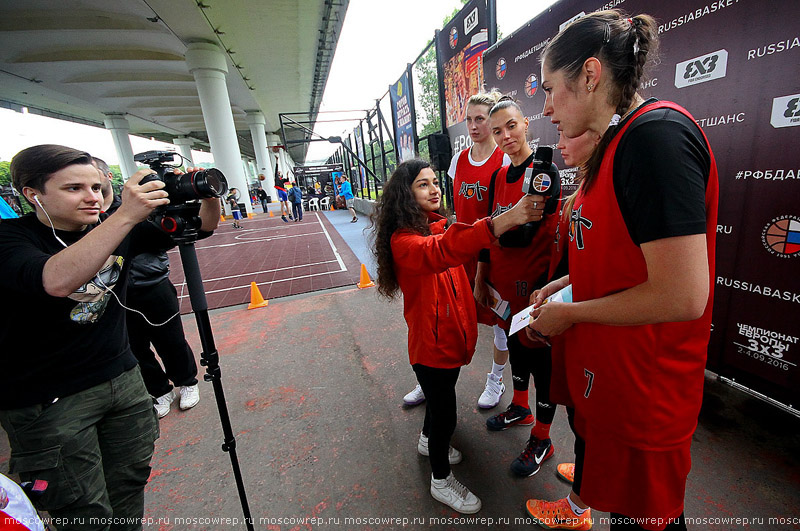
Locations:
(622, 44)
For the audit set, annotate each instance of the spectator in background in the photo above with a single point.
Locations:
(262, 196)
(296, 197)
(346, 191)
(283, 199)
(237, 214)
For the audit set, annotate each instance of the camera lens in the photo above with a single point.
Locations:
(206, 183)
(211, 183)
(199, 184)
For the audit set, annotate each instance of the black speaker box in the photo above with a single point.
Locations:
(440, 151)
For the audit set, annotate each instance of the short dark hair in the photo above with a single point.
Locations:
(33, 166)
(102, 166)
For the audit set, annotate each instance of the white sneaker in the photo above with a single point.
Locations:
(163, 402)
(492, 393)
(454, 456)
(452, 493)
(416, 396)
(190, 396)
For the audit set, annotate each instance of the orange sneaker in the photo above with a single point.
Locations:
(558, 515)
(566, 471)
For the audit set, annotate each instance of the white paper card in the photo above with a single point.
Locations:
(523, 318)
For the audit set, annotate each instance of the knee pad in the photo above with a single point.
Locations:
(500, 338)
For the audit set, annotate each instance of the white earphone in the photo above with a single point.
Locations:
(36, 198)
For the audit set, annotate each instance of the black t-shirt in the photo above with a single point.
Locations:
(58, 346)
(661, 168)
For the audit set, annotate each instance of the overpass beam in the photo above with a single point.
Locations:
(207, 64)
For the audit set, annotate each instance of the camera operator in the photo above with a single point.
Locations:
(74, 405)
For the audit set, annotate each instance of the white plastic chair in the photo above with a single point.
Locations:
(313, 204)
(325, 203)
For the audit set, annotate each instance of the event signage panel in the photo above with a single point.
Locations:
(460, 50)
(403, 117)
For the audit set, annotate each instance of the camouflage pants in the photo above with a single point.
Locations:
(93, 448)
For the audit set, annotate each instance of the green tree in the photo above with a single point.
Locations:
(5, 173)
(116, 182)
(428, 116)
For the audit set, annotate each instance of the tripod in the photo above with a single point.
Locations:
(210, 360)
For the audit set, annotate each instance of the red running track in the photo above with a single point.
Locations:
(281, 258)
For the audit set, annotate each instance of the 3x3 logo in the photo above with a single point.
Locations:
(707, 67)
(786, 111)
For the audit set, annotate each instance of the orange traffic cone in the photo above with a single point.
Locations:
(256, 299)
(221, 217)
(271, 214)
(249, 215)
(364, 281)
(332, 207)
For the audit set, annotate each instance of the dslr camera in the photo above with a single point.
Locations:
(180, 218)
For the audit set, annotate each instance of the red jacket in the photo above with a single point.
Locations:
(437, 298)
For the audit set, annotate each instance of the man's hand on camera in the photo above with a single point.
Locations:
(139, 200)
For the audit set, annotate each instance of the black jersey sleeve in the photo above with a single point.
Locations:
(661, 168)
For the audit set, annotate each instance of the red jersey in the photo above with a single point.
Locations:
(637, 390)
(437, 298)
(471, 201)
(513, 271)
(471, 186)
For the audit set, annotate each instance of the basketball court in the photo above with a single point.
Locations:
(281, 258)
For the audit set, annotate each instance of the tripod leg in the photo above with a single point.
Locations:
(209, 358)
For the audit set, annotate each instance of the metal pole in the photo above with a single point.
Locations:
(491, 20)
(380, 135)
(363, 146)
(448, 193)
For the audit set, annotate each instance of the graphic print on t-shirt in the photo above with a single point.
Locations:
(470, 190)
(576, 225)
(93, 296)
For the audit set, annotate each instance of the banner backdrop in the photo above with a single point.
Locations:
(402, 99)
(460, 50)
(321, 173)
(734, 65)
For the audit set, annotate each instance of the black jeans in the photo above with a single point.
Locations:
(158, 303)
(297, 210)
(439, 386)
(525, 362)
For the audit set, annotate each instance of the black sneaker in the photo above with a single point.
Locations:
(529, 461)
(513, 416)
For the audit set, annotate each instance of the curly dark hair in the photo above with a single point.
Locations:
(396, 209)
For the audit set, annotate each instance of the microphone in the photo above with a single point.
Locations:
(542, 178)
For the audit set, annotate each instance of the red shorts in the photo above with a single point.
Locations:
(644, 484)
